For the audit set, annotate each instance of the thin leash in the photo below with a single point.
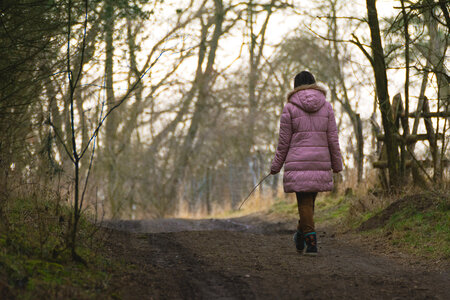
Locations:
(256, 186)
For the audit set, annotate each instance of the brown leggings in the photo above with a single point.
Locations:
(305, 202)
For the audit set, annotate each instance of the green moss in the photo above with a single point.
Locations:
(34, 259)
(422, 232)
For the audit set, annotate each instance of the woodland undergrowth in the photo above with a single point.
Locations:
(35, 260)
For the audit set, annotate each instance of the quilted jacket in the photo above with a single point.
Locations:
(308, 144)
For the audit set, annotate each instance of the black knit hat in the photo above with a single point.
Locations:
(304, 77)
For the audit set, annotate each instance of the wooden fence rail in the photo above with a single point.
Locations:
(408, 139)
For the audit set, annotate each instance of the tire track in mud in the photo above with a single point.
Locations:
(248, 258)
(162, 268)
(202, 281)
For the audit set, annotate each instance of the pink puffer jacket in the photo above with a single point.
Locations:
(308, 144)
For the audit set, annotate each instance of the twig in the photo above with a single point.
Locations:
(327, 38)
(419, 164)
(343, 17)
(60, 139)
(83, 46)
(361, 47)
(91, 161)
(254, 188)
(119, 103)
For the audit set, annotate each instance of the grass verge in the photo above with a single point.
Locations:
(417, 223)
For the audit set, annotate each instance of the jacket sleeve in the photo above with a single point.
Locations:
(283, 141)
(333, 142)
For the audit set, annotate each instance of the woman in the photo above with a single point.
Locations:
(308, 146)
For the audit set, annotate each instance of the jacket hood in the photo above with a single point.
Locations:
(310, 97)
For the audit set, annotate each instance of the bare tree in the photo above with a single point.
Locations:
(377, 60)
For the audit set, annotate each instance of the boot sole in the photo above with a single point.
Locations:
(310, 254)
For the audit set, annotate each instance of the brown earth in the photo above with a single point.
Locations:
(255, 258)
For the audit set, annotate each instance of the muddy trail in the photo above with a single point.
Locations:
(254, 258)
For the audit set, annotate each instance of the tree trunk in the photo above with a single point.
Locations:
(360, 148)
(255, 55)
(432, 141)
(111, 122)
(404, 117)
(381, 83)
(344, 100)
(438, 49)
(203, 86)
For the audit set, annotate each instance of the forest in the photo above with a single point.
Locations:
(121, 110)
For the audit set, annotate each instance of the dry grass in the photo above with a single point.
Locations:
(257, 202)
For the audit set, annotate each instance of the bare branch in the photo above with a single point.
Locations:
(59, 138)
(119, 103)
(91, 161)
(419, 165)
(83, 46)
(327, 38)
(361, 47)
(343, 17)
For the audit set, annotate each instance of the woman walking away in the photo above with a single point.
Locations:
(309, 147)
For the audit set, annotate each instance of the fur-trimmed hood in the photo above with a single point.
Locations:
(310, 97)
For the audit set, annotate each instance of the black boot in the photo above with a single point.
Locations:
(311, 244)
(299, 241)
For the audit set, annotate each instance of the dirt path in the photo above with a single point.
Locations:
(251, 258)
